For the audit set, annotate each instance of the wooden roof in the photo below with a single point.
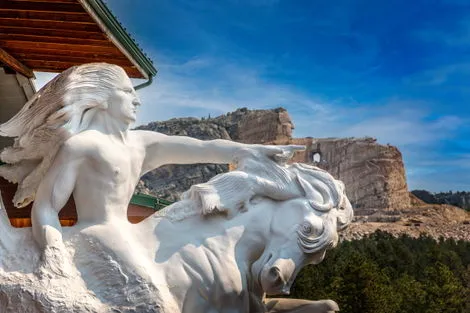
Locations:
(53, 35)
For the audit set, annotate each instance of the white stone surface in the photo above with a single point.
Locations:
(229, 242)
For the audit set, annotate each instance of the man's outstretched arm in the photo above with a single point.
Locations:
(161, 149)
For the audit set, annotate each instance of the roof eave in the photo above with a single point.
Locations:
(116, 33)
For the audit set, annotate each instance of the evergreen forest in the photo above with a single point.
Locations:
(384, 274)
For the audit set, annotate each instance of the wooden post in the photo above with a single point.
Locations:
(14, 64)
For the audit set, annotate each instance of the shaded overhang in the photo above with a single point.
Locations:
(53, 35)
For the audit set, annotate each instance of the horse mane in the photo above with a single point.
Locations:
(61, 109)
(229, 193)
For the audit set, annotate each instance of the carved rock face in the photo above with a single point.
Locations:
(374, 174)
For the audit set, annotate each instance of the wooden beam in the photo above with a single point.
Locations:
(55, 32)
(61, 40)
(25, 51)
(46, 16)
(12, 45)
(70, 8)
(14, 64)
(58, 25)
(55, 1)
(60, 65)
(39, 58)
(131, 71)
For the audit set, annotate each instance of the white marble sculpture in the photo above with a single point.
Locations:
(227, 244)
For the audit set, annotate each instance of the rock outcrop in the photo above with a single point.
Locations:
(374, 174)
(257, 126)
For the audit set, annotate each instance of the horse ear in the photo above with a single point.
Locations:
(305, 186)
(310, 193)
(316, 198)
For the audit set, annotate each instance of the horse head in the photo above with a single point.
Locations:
(290, 215)
(302, 229)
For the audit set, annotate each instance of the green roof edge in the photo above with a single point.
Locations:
(149, 201)
(116, 29)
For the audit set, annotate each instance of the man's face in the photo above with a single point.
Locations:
(123, 101)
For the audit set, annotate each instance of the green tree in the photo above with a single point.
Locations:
(384, 274)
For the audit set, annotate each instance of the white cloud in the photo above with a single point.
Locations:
(440, 75)
(397, 122)
(203, 86)
(457, 37)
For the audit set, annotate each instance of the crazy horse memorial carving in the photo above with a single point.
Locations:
(224, 247)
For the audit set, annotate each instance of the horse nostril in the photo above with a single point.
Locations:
(275, 276)
(274, 272)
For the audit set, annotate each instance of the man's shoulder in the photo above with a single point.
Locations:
(83, 142)
(145, 135)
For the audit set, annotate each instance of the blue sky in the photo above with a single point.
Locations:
(395, 70)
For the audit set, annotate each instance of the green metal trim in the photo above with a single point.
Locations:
(143, 85)
(149, 201)
(116, 29)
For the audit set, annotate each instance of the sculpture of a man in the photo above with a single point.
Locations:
(73, 137)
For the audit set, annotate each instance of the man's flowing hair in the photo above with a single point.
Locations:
(62, 108)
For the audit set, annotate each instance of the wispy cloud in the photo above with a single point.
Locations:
(395, 121)
(440, 75)
(457, 36)
(435, 171)
(204, 85)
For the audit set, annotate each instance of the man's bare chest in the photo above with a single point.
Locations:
(117, 163)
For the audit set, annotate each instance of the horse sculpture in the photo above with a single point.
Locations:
(221, 260)
(222, 248)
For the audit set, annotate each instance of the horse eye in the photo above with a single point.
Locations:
(306, 228)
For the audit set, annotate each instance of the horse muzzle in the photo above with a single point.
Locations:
(277, 278)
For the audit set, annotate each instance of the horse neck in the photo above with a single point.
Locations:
(247, 232)
(255, 223)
